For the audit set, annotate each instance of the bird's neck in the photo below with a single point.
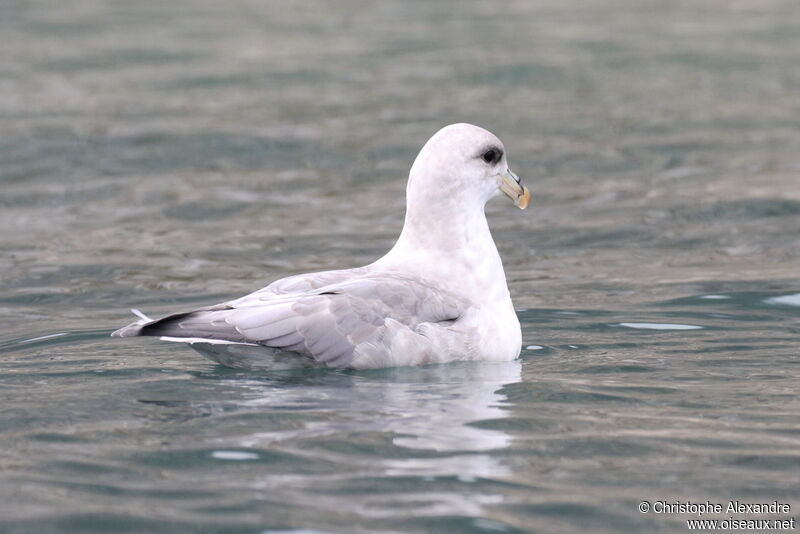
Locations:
(450, 239)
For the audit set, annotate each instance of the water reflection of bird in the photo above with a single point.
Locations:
(425, 409)
(438, 295)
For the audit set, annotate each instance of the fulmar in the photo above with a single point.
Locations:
(439, 295)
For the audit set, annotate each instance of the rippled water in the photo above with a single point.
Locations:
(165, 156)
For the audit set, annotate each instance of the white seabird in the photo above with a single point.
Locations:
(438, 295)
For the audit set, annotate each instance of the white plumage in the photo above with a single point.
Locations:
(438, 295)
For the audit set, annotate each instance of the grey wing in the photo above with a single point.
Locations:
(209, 323)
(330, 323)
(325, 327)
(203, 323)
(298, 284)
(326, 324)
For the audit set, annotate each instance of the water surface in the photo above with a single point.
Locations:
(168, 156)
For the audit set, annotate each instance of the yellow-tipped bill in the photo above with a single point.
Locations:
(517, 192)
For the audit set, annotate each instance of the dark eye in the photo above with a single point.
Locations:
(491, 155)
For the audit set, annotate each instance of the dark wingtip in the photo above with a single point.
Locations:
(134, 329)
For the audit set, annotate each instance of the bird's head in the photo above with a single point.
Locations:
(462, 162)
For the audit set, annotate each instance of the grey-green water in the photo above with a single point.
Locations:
(167, 155)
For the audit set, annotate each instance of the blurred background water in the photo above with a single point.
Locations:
(163, 155)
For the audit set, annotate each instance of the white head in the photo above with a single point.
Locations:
(463, 166)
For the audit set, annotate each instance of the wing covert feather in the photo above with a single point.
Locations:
(328, 323)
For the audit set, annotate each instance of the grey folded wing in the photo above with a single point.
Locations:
(301, 283)
(211, 325)
(326, 324)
